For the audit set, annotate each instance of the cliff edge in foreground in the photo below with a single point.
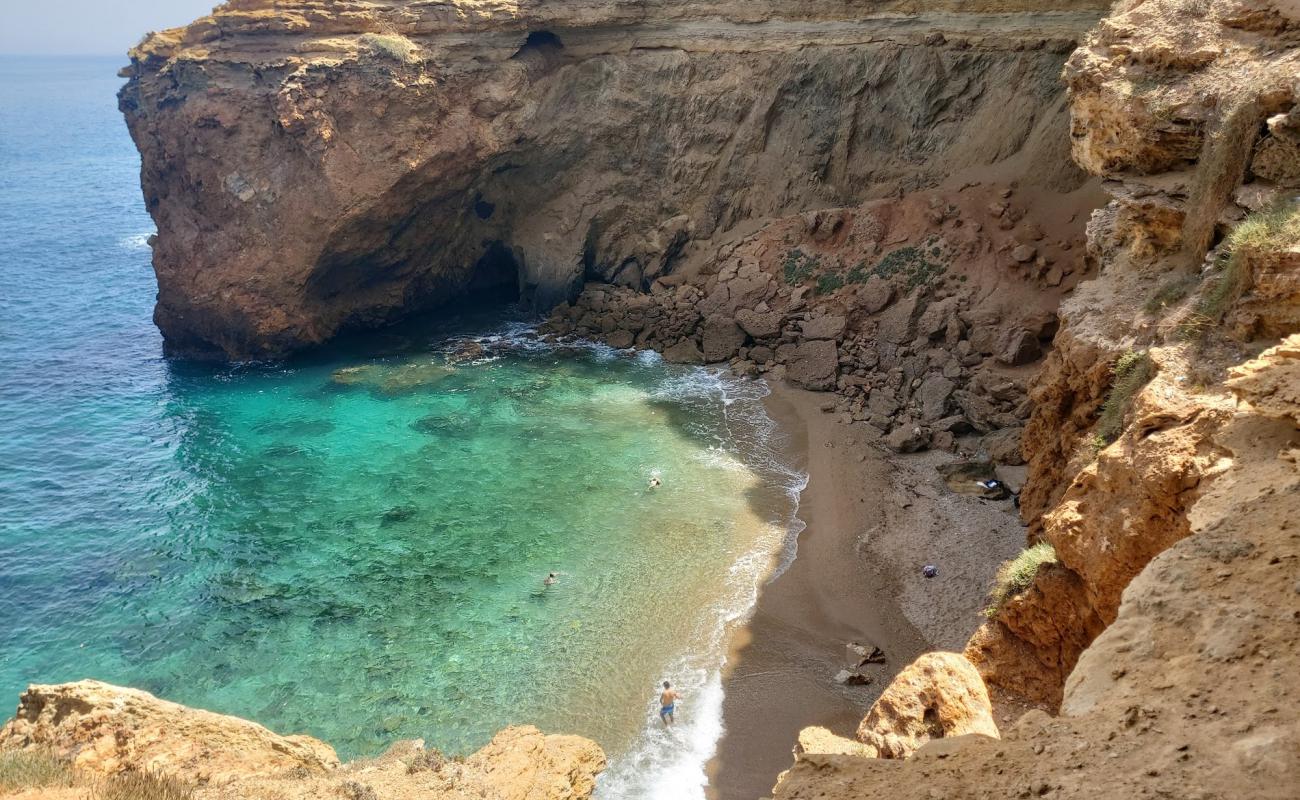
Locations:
(93, 736)
(1158, 636)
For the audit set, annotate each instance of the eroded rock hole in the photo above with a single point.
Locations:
(539, 42)
(496, 277)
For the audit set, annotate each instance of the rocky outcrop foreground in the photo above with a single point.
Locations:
(315, 167)
(108, 729)
(103, 730)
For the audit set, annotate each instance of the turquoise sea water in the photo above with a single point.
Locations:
(352, 544)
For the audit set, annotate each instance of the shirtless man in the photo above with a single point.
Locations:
(667, 701)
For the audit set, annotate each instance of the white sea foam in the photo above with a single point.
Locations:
(136, 241)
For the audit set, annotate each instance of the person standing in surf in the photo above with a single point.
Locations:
(667, 702)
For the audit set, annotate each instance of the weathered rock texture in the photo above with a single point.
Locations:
(1165, 636)
(937, 696)
(314, 167)
(107, 730)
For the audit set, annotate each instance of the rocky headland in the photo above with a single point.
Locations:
(994, 239)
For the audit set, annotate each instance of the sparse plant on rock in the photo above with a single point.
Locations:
(1131, 372)
(391, 45)
(1271, 229)
(1016, 575)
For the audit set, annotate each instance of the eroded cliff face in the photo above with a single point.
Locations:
(101, 731)
(1162, 448)
(314, 167)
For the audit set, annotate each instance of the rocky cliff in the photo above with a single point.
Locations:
(93, 736)
(319, 166)
(1160, 641)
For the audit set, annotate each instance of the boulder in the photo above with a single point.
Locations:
(1024, 253)
(1022, 348)
(829, 326)
(1003, 446)
(940, 695)
(898, 323)
(934, 394)
(908, 438)
(875, 295)
(721, 338)
(983, 415)
(820, 741)
(759, 325)
(107, 729)
(684, 352)
(813, 365)
(620, 339)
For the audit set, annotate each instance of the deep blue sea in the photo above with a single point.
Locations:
(352, 544)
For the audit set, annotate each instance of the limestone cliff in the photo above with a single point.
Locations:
(98, 732)
(1162, 447)
(314, 167)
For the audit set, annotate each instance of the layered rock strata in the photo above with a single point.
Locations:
(314, 167)
(102, 730)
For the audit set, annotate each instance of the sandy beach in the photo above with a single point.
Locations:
(874, 519)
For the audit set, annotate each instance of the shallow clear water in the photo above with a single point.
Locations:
(352, 544)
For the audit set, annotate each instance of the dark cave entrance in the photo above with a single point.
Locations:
(496, 278)
(539, 42)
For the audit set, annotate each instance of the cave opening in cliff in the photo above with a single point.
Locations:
(539, 43)
(496, 277)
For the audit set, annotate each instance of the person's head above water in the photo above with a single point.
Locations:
(552, 575)
(667, 685)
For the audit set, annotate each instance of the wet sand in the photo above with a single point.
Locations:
(873, 520)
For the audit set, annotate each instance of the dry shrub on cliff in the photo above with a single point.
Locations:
(1016, 575)
(392, 45)
(26, 769)
(142, 786)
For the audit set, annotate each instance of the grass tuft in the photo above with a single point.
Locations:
(391, 45)
(142, 786)
(1016, 575)
(26, 769)
(1271, 229)
(1131, 372)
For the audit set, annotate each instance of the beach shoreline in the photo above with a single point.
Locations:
(871, 520)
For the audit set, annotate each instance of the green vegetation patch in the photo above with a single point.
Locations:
(1131, 372)
(798, 266)
(26, 769)
(1271, 229)
(1016, 575)
(917, 266)
(913, 264)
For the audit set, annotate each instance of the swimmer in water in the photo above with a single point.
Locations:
(667, 703)
(551, 580)
(655, 482)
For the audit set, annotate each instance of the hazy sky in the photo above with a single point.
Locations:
(90, 27)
